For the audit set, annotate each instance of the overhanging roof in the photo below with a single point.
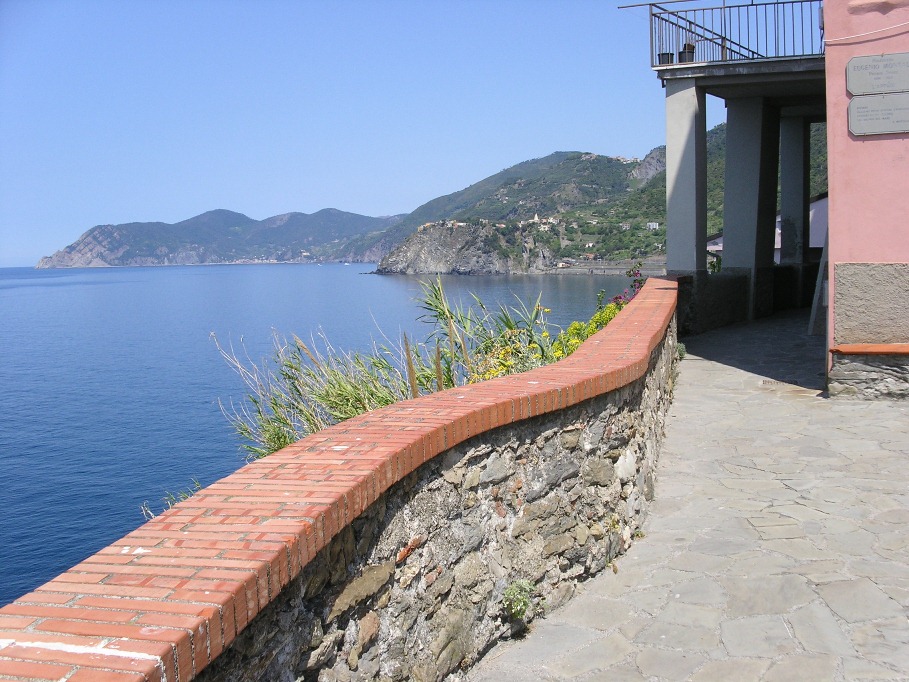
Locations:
(787, 82)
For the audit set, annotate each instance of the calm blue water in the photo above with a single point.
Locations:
(109, 381)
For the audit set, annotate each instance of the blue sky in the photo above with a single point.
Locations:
(112, 111)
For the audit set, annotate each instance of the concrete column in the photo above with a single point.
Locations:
(686, 177)
(749, 215)
(794, 188)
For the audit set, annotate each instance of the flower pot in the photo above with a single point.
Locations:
(686, 54)
(665, 58)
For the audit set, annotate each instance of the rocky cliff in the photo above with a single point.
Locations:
(96, 248)
(652, 165)
(450, 247)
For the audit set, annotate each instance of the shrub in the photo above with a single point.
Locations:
(306, 387)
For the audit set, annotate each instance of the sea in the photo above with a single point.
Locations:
(112, 386)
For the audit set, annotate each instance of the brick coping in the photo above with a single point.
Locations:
(871, 349)
(166, 599)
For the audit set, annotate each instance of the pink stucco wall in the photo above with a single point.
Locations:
(868, 175)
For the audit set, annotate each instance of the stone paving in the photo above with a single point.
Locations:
(777, 546)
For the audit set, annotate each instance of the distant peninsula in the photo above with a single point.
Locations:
(218, 236)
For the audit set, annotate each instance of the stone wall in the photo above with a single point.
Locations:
(413, 588)
(710, 301)
(870, 376)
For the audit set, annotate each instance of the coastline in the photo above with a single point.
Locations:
(649, 268)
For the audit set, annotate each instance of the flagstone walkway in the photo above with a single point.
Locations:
(777, 546)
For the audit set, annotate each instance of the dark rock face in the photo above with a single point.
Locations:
(96, 248)
(455, 248)
(871, 377)
(652, 165)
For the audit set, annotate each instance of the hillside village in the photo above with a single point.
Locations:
(562, 240)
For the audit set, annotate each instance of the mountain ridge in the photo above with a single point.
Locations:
(216, 236)
(544, 184)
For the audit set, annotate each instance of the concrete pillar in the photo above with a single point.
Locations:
(749, 215)
(686, 177)
(794, 188)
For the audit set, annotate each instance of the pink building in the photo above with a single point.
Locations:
(868, 147)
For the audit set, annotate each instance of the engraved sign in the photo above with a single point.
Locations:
(879, 114)
(878, 73)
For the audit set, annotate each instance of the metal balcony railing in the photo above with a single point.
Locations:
(740, 32)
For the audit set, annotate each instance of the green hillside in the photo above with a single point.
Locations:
(648, 203)
(555, 184)
(592, 207)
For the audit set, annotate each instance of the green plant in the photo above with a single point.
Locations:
(715, 264)
(517, 600)
(478, 344)
(307, 387)
(681, 350)
(567, 341)
(170, 499)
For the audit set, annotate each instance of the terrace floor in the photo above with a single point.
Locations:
(777, 545)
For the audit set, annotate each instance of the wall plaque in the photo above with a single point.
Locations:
(879, 114)
(878, 73)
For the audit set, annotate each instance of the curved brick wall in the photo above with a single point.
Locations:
(167, 599)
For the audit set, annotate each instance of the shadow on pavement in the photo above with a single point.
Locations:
(777, 348)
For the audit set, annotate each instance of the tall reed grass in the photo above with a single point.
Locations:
(305, 387)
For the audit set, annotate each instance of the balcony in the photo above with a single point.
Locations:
(734, 33)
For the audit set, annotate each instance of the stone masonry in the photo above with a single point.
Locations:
(870, 376)
(413, 588)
